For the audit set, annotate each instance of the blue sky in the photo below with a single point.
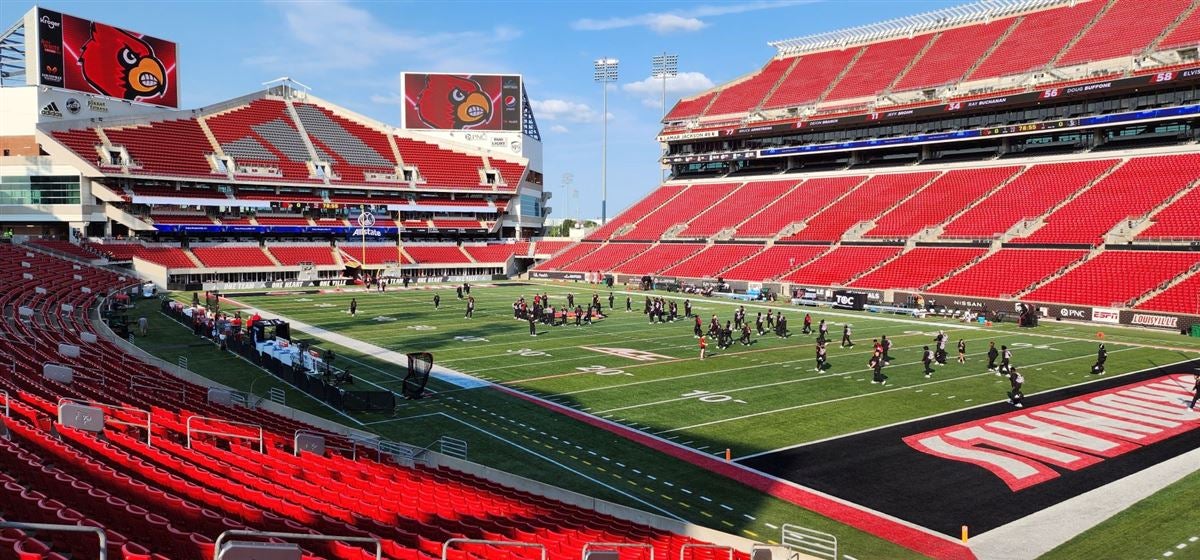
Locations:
(352, 53)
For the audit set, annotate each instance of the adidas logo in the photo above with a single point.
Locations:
(51, 110)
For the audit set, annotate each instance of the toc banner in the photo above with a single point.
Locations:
(843, 299)
(1106, 315)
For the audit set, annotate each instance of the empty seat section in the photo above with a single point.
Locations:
(510, 171)
(952, 54)
(1113, 278)
(225, 256)
(441, 167)
(262, 134)
(682, 208)
(1008, 272)
(841, 265)
(373, 254)
(713, 260)
(748, 93)
(456, 223)
(658, 258)
(357, 148)
(1186, 34)
(948, 194)
(608, 257)
(735, 208)
(1037, 39)
(550, 247)
(293, 255)
(83, 142)
(810, 79)
(497, 252)
(1179, 220)
(174, 148)
(1026, 197)
(877, 68)
(568, 255)
(689, 108)
(918, 267)
(1126, 29)
(799, 205)
(638, 211)
(65, 247)
(1133, 189)
(1183, 297)
(865, 203)
(170, 257)
(773, 262)
(425, 254)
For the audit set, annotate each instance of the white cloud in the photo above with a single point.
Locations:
(559, 129)
(389, 99)
(680, 20)
(650, 90)
(564, 110)
(337, 35)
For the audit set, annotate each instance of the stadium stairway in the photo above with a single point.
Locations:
(1126, 232)
(1187, 278)
(1108, 4)
(1029, 227)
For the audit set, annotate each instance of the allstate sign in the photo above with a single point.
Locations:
(365, 232)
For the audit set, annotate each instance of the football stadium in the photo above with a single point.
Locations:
(923, 288)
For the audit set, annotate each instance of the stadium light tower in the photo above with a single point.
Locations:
(664, 67)
(604, 72)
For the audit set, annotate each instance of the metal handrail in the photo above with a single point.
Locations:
(446, 545)
(63, 528)
(583, 553)
(683, 549)
(84, 402)
(297, 536)
(5, 395)
(353, 449)
(188, 426)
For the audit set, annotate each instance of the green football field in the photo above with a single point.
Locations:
(747, 399)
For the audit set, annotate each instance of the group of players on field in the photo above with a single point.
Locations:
(661, 310)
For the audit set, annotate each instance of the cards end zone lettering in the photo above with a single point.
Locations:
(1021, 447)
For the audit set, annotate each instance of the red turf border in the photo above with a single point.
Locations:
(866, 521)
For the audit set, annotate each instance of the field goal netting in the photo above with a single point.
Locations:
(419, 366)
(393, 271)
(308, 272)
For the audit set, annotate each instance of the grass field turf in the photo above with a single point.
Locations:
(783, 400)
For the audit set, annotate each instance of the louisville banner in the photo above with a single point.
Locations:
(462, 102)
(96, 58)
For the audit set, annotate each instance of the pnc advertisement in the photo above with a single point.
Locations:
(92, 57)
(461, 102)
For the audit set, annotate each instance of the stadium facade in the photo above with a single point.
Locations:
(190, 195)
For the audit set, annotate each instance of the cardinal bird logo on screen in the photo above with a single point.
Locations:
(453, 102)
(119, 64)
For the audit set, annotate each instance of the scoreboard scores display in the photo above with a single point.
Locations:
(483, 102)
(96, 58)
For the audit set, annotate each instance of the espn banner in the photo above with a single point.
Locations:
(96, 58)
